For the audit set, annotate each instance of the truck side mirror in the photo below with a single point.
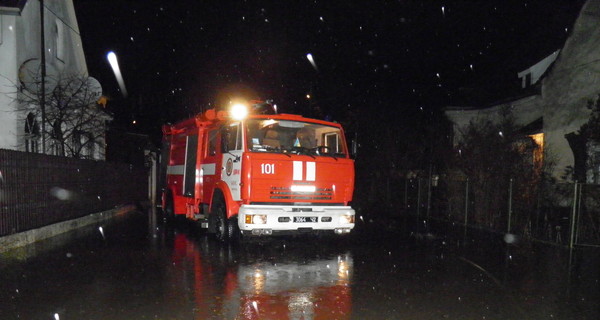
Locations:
(353, 148)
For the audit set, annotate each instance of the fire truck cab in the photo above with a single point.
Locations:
(258, 173)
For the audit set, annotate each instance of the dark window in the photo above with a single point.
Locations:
(212, 142)
(32, 133)
(233, 139)
(527, 80)
(332, 141)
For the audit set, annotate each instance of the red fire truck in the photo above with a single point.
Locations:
(249, 171)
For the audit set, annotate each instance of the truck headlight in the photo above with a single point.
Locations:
(256, 219)
(347, 219)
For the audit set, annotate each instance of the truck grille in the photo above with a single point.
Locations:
(287, 193)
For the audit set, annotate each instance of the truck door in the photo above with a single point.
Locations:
(208, 169)
(189, 173)
(231, 146)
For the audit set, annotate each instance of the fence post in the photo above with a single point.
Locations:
(579, 213)
(152, 181)
(573, 214)
(466, 205)
(428, 195)
(387, 189)
(510, 190)
(418, 198)
(406, 193)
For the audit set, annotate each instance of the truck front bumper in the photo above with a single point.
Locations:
(273, 220)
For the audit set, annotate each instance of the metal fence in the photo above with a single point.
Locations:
(565, 213)
(38, 190)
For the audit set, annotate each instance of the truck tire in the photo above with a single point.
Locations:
(225, 229)
(234, 230)
(219, 214)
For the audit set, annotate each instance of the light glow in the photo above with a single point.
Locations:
(256, 219)
(112, 59)
(312, 61)
(239, 111)
(345, 219)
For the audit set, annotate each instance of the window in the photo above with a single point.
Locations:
(332, 141)
(57, 146)
(90, 145)
(32, 133)
(77, 142)
(232, 132)
(212, 142)
(59, 40)
(295, 137)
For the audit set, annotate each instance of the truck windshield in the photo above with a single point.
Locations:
(294, 137)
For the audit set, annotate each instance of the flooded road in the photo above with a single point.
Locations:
(132, 270)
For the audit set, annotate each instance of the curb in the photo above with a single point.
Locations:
(24, 238)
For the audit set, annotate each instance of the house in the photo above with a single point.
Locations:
(553, 108)
(22, 117)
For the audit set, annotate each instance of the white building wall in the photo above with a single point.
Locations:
(525, 110)
(567, 88)
(21, 37)
(8, 76)
(537, 70)
(570, 84)
(29, 36)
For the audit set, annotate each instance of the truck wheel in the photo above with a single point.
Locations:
(169, 209)
(219, 214)
(234, 230)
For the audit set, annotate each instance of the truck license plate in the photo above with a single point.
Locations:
(306, 219)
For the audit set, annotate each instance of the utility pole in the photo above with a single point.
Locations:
(43, 67)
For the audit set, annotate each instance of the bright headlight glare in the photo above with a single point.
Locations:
(303, 188)
(239, 111)
(347, 219)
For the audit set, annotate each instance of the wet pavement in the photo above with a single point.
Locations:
(131, 269)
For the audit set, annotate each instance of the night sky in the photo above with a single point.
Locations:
(180, 57)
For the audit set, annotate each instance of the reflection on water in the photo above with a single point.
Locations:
(316, 289)
(134, 270)
(262, 281)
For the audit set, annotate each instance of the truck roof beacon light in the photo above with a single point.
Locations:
(239, 111)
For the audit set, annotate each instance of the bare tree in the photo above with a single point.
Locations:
(74, 122)
(491, 155)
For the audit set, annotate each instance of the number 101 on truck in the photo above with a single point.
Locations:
(249, 172)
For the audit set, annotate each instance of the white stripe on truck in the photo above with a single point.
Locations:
(177, 170)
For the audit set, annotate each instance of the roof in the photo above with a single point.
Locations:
(531, 91)
(533, 127)
(12, 6)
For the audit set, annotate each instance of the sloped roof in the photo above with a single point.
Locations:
(12, 6)
(12, 3)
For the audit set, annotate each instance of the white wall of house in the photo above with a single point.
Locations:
(64, 51)
(572, 81)
(8, 75)
(567, 87)
(21, 41)
(526, 110)
(532, 75)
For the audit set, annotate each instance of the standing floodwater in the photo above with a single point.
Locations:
(129, 270)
